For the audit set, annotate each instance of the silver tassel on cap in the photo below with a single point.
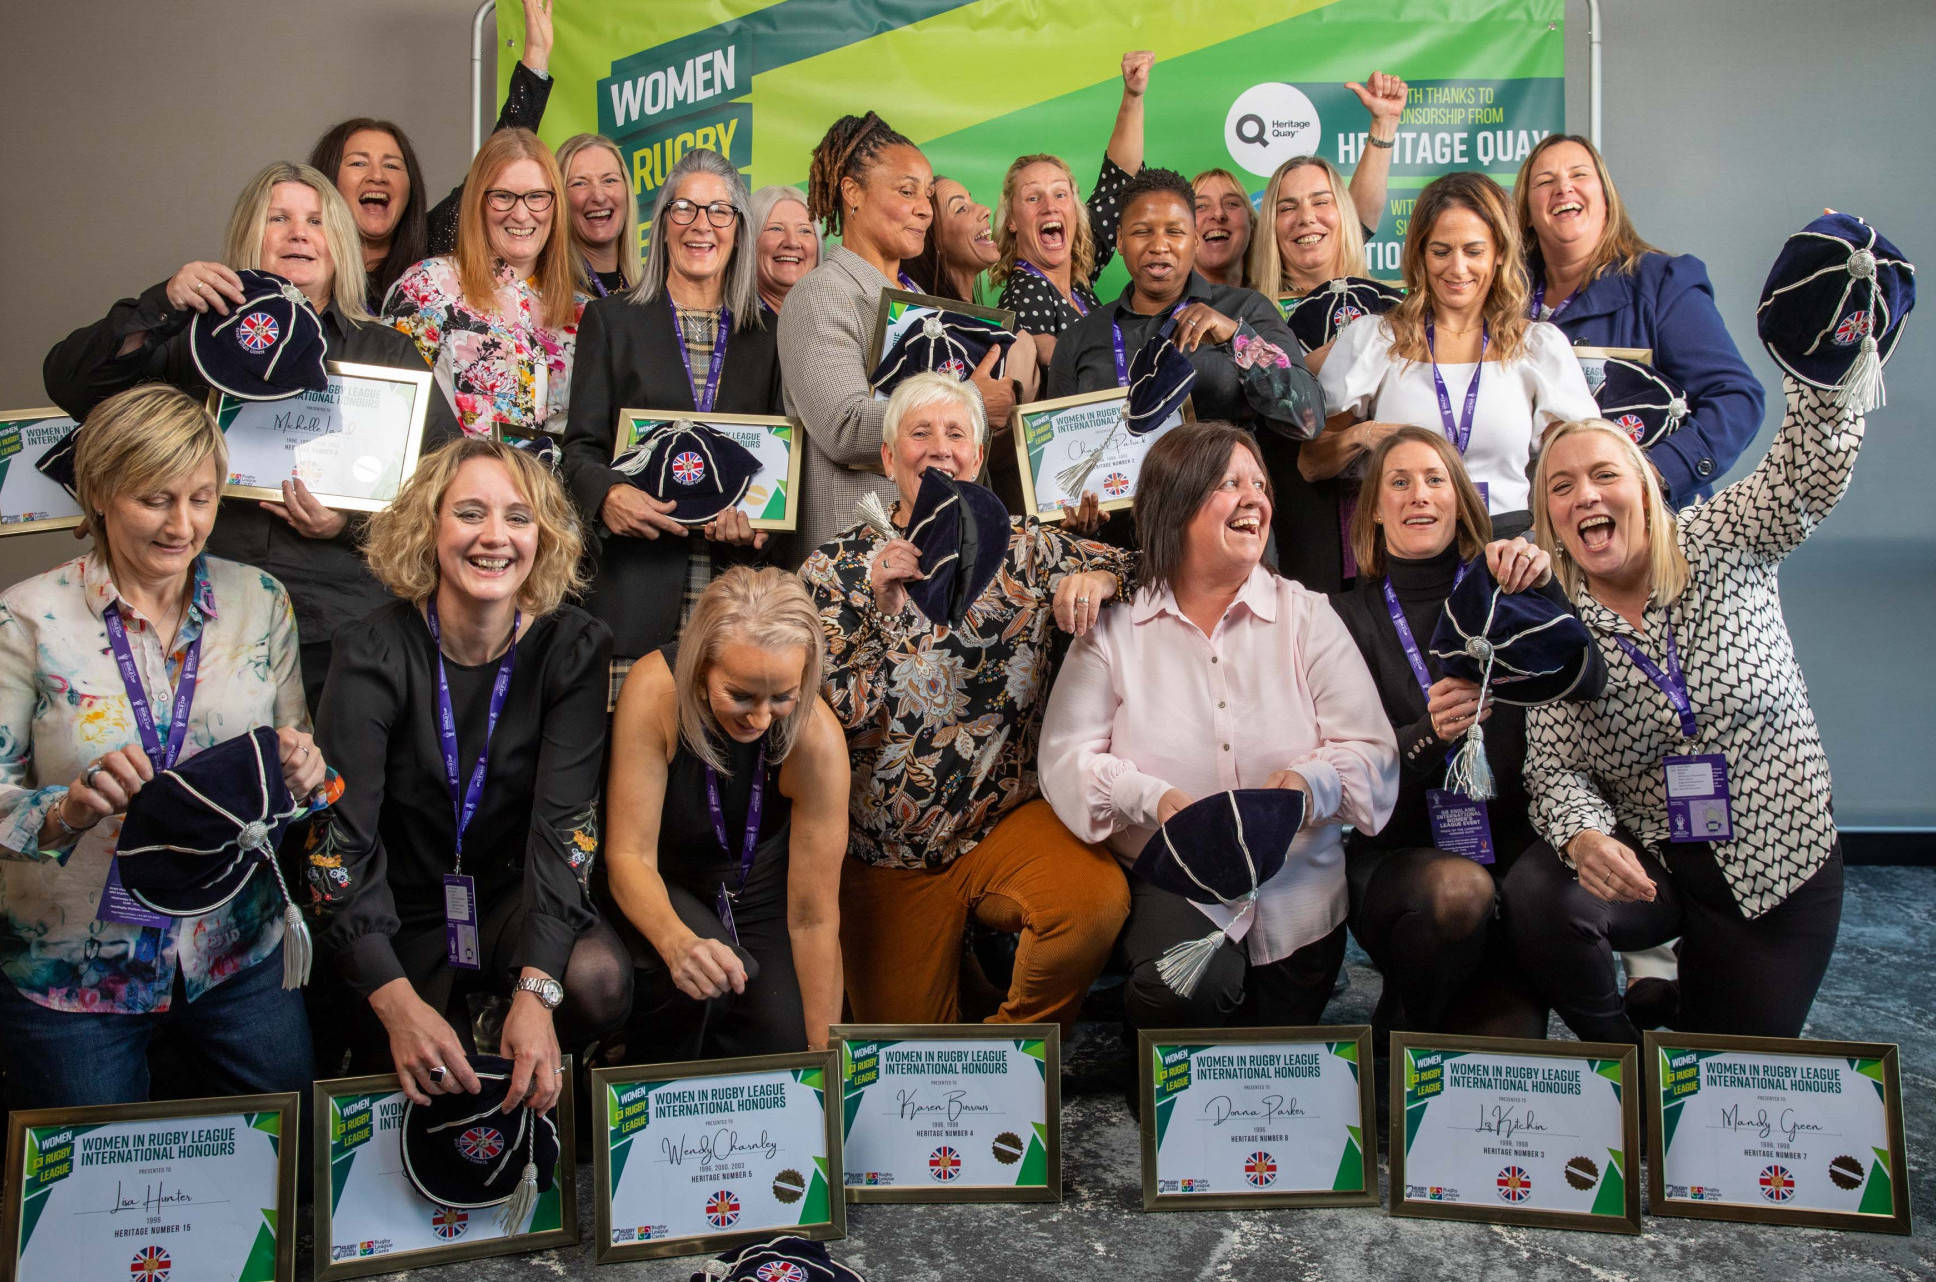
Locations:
(1470, 774)
(873, 514)
(517, 1208)
(298, 949)
(1861, 388)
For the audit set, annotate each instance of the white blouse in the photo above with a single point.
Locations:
(1517, 399)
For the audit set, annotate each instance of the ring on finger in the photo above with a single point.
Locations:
(437, 1073)
(94, 768)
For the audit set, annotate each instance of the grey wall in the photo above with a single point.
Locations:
(1728, 124)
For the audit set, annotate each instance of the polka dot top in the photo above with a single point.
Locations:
(1038, 307)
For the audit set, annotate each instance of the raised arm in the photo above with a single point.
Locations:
(1384, 100)
(524, 106)
(1126, 139)
(1770, 511)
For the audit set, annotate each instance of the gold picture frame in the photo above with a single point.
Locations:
(1035, 432)
(763, 434)
(49, 425)
(366, 483)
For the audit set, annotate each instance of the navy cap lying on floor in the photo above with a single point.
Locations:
(463, 1150)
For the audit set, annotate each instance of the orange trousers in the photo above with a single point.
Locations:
(901, 928)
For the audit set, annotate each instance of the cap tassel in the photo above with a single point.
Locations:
(298, 949)
(1072, 477)
(873, 514)
(1861, 388)
(1182, 965)
(517, 1208)
(1470, 774)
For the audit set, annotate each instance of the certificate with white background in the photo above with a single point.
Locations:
(29, 498)
(352, 444)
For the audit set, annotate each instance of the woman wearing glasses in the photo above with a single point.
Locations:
(689, 336)
(497, 320)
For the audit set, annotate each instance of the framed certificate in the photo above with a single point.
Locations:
(951, 1112)
(1285, 302)
(1077, 443)
(696, 1157)
(202, 1189)
(370, 1217)
(29, 499)
(1593, 361)
(352, 443)
(1777, 1131)
(1515, 1131)
(1256, 1117)
(772, 502)
(901, 309)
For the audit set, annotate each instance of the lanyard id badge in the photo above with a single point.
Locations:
(1697, 798)
(1460, 825)
(460, 890)
(460, 921)
(723, 903)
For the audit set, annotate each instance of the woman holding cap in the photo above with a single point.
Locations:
(289, 221)
(1220, 675)
(141, 653)
(784, 235)
(1594, 277)
(459, 857)
(1460, 341)
(728, 799)
(690, 337)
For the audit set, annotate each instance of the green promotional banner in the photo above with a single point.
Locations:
(978, 82)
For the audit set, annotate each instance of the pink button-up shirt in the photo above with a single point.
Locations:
(1146, 703)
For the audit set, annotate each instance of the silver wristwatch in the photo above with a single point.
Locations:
(548, 991)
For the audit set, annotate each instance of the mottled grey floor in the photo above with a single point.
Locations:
(1878, 989)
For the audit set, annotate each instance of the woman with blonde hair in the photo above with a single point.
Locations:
(459, 858)
(604, 214)
(728, 797)
(498, 319)
(783, 233)
(291, 221)
(114, 667)
(1458, 354)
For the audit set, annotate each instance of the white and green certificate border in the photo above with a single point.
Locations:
(176, 1189)
(1516, 1131)
(1257, 1117)
(696, 1157)
(353, 444)
(1052, 436)
(29, 499)
(772, 501)
(951, 1112)
(1777, 1130)
(900, 309)
(371, 1219)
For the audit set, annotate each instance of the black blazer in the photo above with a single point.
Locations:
(628, 358)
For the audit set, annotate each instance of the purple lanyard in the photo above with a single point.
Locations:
(1116, 340)
(1075, 299)
(704, 403)
(465, 806)
(1539, 300)
(909, 283)
(1410, 642)
(1459, 433)
(591, 274)
(162, 758)
(753, 806)
(1672, 682)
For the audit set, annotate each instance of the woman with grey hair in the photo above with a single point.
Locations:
(783, 233)
(688, 337)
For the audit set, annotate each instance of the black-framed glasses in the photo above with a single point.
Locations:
(505, 201)
(719, 213)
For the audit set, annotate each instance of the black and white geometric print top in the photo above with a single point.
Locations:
(1038, 307)
(1597, 765)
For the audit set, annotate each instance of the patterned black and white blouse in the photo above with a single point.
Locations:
(1038, 308)
(1597, 765)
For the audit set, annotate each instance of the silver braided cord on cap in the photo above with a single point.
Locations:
(1470, 773)
(1182, 965)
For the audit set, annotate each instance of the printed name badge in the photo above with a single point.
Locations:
(1460, 825)
(1697, 798)
(460, 920)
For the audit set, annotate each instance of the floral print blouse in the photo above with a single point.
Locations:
(503, 368)
(941, 723)
(62, 705)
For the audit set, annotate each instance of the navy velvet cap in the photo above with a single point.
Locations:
(1319, 316)
(940, 342)
(1160, 378)
(961, 531)
(268, 348)
(1539, 651)
(194, 835)
(464, 1151)
(1641, 401)
(1221, 848)
(697, 468)
(1835, 285)
(57, 463)
(779, 1259)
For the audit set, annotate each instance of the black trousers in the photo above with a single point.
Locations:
(1232, 992)
(1738, 976)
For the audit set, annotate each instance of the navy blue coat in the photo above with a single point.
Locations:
(1667, 304)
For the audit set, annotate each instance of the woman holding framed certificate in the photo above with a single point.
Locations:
(728, 803)
(459, 856)
(291, 221)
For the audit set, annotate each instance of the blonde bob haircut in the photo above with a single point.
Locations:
(1368, 532)
(917, 391)
(1505, 305)
(1082, 245)
(401, 545)
(1667, 569)
(763, 607)
(138, 441)
(1620, 246)
(242, 247)
(1266, 267)
(628, 236)
(553, 276)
